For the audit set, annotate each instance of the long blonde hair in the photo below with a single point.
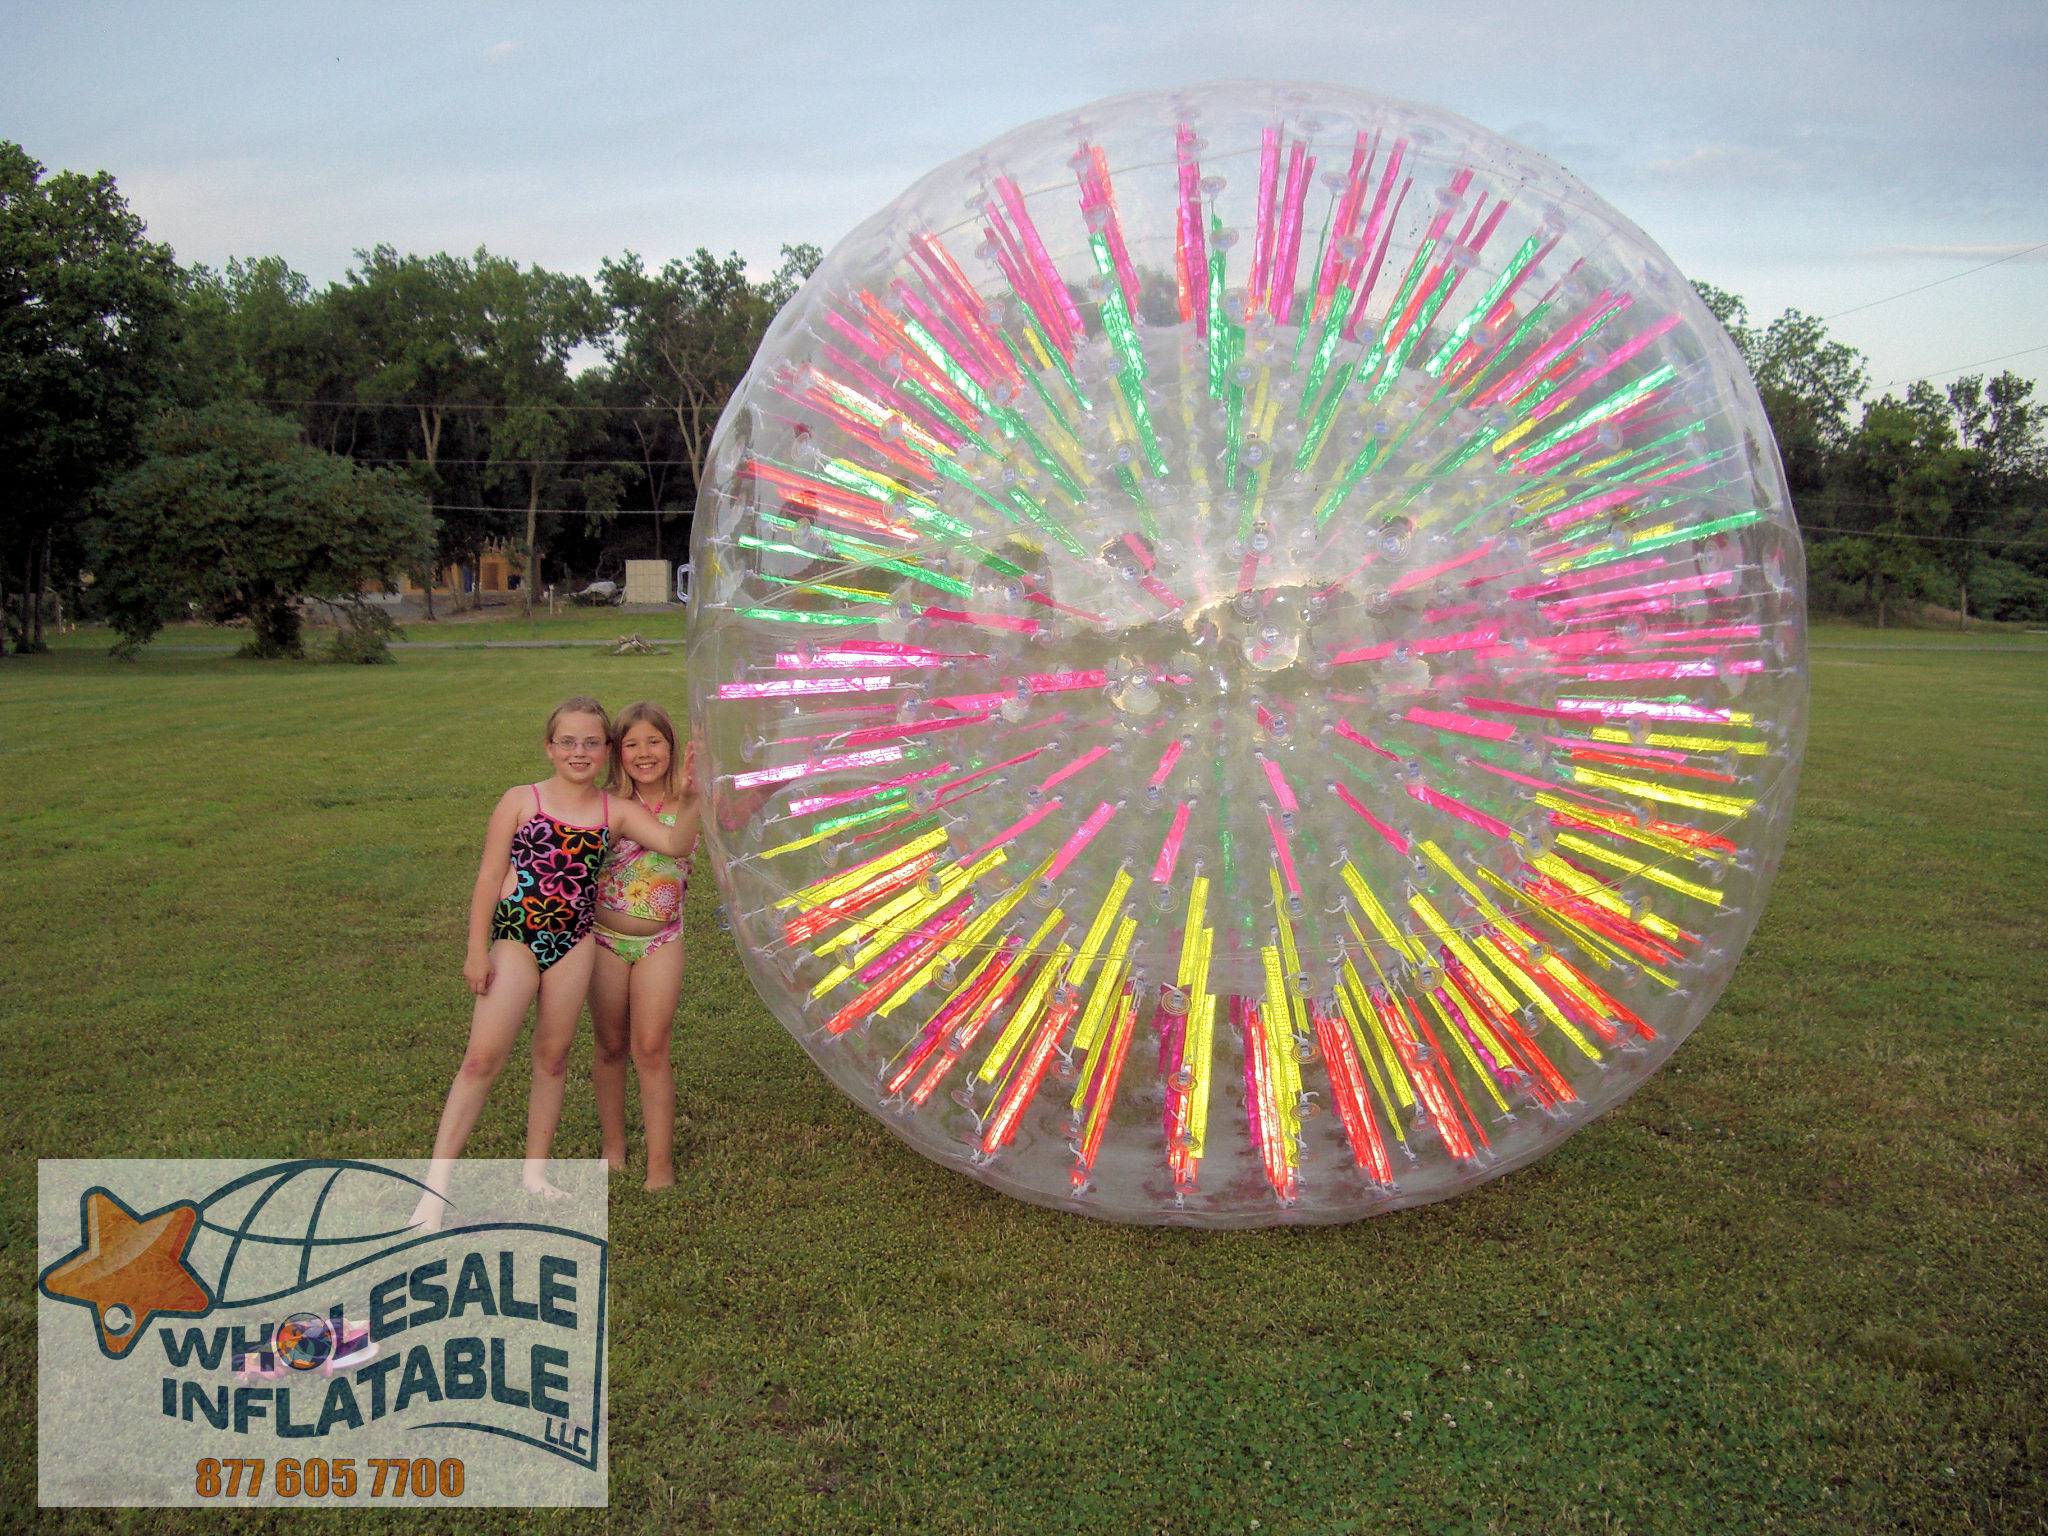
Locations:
(618, 781)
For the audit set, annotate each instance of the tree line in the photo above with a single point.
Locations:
(1934, 496)
(182, 439)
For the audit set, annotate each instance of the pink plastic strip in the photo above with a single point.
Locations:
(790, 771)
(1262, 238)
(1287, 261)
(1087, 759)
(804, 687)
(790, 661)
(1463, 725)
(1281, 788)
(1645, 707)
(1437, 800)
(1400, 843)
(1467, 640)
(1286, 857)
(1162, 591)
(1166, 761)
(1654, 671)
(1015, 829)
(982, 773)
(1169, 851)
(986, 620)
(1097, 820)
(1062, 682)
(1417, 577)
(1351, 732)
(1707, 581)
(918, 728)
(826, 802)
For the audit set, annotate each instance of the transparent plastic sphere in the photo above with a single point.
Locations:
(1250, 649)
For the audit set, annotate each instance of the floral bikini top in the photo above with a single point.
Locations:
(642, 883)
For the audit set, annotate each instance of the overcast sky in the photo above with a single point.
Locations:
(1800, 154)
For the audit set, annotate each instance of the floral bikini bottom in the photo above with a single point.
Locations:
(635, 947)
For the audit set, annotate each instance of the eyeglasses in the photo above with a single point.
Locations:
(588, 744)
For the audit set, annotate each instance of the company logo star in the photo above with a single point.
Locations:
(129, 1269)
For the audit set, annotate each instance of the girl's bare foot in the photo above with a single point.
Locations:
(426, 1216)
(616, 1161)
(661, 1177)
(535, 1178)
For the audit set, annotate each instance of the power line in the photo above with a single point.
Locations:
(2009, 256)
(477, 405)
(445, 506)
(1959, 367)
(1936, 538)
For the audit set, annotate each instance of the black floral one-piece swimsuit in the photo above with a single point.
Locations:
(554, 898)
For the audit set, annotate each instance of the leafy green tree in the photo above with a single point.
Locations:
(87, 314)
(683, 338)
(532, 320)
(1809, 383)
(234, 514)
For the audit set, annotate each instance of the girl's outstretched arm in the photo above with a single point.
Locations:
(638, 823)
(490, 880)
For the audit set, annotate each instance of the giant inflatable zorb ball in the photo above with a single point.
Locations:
(1250, 649)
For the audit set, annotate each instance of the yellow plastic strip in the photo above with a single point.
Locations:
(968, 937)
(1719, 805)
(1289, 952)
(1539, 997)
(1105, 985)
(1397, 1079)
(839, 885)
(1465, 1048)
(1363, 1045)
(1444, 862)
(1594, 891)
(1629, 866)
(1198, 906)
(1501, 996)
(897, 916)
(1027, 1013)
(1616, 734)
(1199, 1052)
(1381, 922)
(1091, 947)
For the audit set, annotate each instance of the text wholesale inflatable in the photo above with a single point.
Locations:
(1250, 646)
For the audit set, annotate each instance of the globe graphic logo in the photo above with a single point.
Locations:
(305, 1340)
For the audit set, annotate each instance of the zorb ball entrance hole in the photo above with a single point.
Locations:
(1250, 649)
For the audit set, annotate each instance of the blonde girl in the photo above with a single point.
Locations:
(638, 971)
(530, 917)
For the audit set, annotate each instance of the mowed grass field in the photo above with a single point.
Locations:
(1798, 1283)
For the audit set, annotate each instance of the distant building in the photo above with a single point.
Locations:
(497, 571)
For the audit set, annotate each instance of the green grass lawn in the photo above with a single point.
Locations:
(1799, 1282)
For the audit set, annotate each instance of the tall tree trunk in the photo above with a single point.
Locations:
(42, 584)
(3, 606)
(532, 565)
(1963, 620)
(28, 586)
(430, 433)
(657, 533)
